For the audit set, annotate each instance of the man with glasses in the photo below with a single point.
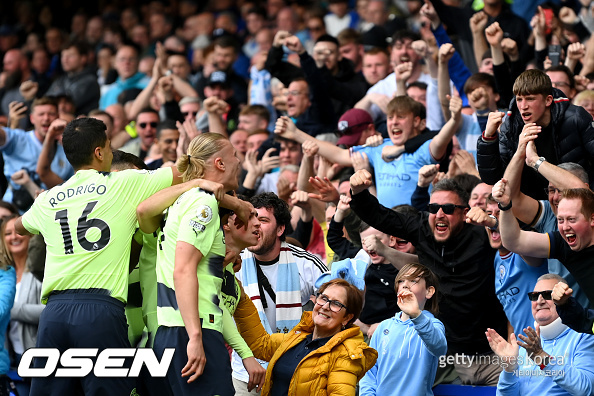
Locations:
(554, 359)
(460, 255)
(542, 215)
(336, 76)
(562, 79)
(189, 107)
(308, 98)
(146, 127)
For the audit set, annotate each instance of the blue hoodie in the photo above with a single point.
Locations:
(571, 372)
(110, 96)
(7, 291)
(408, 352)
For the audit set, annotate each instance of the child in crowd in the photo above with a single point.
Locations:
(410, 343)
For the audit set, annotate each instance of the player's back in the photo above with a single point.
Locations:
(87, 224)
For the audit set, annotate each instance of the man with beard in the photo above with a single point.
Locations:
(16, 67)
(278, 277)
(460, 255)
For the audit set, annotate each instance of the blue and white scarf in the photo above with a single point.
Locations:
(288, 289)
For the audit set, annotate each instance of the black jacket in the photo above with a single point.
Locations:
(464, 264)
(320, 116)
(82, 87)
(572, 139)
(342, 247)
(575, 316)
(346, 88)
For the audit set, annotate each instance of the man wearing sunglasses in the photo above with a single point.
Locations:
(146, 128)
(460, 254)
(554, 359)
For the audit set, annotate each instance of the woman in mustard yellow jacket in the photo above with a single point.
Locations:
(323, 355)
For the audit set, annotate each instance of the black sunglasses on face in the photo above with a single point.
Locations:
(144, 124)
(447, 208)
(546, 294)
(193, 113)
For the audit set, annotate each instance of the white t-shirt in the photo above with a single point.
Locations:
(310, 269)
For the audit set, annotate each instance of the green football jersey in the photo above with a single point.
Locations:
(194, 219)
(148, 283)
(87, 224)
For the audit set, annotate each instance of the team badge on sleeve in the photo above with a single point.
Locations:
(204, 214)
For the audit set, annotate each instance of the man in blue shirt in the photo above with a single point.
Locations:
(126, 64)
(21, 149)
(554, 359)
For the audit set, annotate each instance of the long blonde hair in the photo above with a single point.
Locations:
(5, 256)
(201, 148)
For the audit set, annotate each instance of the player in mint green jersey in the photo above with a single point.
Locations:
(87, 224)
(190, 261)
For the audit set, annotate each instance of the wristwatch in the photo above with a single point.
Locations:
(538, 163)
(496, 226)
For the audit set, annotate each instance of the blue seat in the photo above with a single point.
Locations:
(464, 390)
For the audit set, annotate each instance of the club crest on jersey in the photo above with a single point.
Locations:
(204, 214)
(502, 271)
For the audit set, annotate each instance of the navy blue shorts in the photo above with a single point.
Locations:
(82, 320)
(216, 378)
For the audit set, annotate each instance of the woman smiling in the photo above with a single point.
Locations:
(324, 354)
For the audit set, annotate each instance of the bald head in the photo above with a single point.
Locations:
(13, 60)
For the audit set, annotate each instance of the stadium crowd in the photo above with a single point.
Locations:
(337, 197)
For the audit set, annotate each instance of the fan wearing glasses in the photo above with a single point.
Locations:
(554, 359)
(324, 354)
(459, 254)
(146, 127)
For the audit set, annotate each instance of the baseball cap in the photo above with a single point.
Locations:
(218, 77)
(351, 125)
(375, 37)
